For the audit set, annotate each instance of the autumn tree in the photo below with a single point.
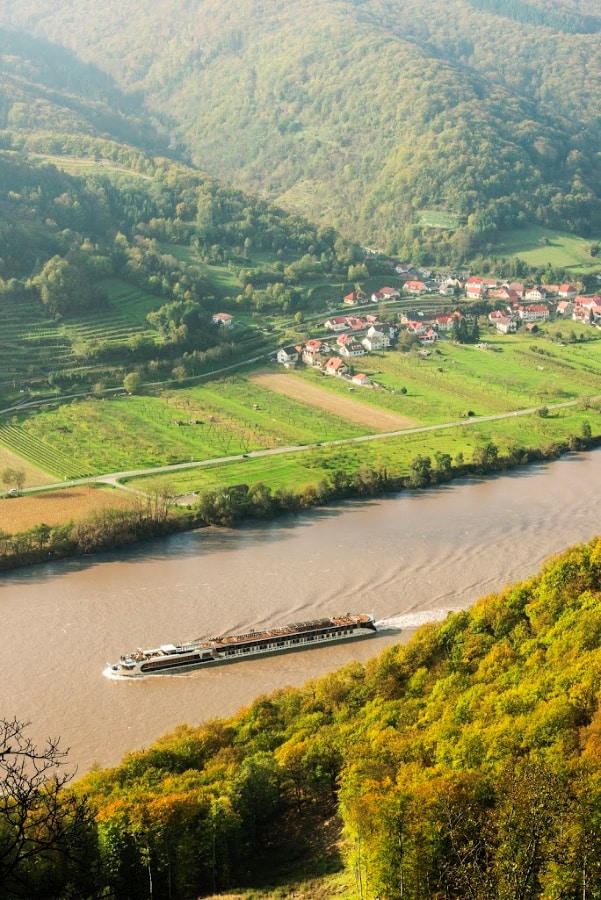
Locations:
(47, 836)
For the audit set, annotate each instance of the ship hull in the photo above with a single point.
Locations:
(188, 658)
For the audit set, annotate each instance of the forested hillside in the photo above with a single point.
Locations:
(463, 764)
(368, 115)
(44, 87)
(107, 273)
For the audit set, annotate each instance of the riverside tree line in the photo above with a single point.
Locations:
(154, 514)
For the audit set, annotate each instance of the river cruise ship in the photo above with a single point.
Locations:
(176, 658)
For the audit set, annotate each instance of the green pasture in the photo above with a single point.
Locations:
(439, 218)
(539, 247)
(235, 416)
(225, 418)
(310, 466)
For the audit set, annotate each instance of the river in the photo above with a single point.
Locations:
(408, 559)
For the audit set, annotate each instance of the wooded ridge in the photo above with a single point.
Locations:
(365, 115)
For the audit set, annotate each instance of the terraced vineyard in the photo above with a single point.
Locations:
(29, 342)
(34, 347)
(48, 458)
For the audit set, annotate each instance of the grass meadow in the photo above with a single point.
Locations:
(539, 247)
(235, 416)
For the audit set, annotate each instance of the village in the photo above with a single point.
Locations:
(511, 306)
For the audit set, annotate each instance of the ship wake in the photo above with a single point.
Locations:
(412, 619)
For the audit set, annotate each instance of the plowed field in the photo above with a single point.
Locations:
(57, 507)
(346, 407)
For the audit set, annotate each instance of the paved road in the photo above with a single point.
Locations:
(116, 478)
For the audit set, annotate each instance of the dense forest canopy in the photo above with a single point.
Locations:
(362, 115)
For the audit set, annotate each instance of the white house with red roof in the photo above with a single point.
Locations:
(414, 326)
(535, 312)
(313, 350)
(336, 366)
(535, 294)
(361, 379)
(445, 322)
(592, 308)
(416, 287)
(567, 291)
(385, 293)
(429, 336)
(476, 287)
(565, 307)
(222, 318)
(354, 298)
(336, 323)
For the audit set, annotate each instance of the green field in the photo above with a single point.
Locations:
(235, 416)
(540, 247)
(439, 218)
(107, 435)
(309, 466)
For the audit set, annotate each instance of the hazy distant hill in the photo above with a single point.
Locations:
(46, 88)
(363, 114)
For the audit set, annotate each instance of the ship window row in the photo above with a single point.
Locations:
(286, 642)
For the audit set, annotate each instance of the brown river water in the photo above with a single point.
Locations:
(408, 559)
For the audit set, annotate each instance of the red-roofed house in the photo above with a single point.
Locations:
(533, 313)
(564, 308)
(567, 290)
(415, 327)
(356, 323)
(337, 323)
(535, 293)
(336, 366)
(354, 298)
(222, 318)
(430, 336)
(415, 287)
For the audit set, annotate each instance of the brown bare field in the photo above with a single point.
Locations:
(33, 476)
(57, 507)
(346, 407)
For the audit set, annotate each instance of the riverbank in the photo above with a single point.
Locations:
(114, 528)
(408, 558)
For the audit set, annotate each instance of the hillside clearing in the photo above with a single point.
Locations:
(345, 407)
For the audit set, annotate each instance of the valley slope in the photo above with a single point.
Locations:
(364, 115)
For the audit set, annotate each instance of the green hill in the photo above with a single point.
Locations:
(465, 763)
(120, 268)
(362, 114)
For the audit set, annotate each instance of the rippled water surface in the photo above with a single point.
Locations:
(408, 559)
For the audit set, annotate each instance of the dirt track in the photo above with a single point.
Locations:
(347, 408)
